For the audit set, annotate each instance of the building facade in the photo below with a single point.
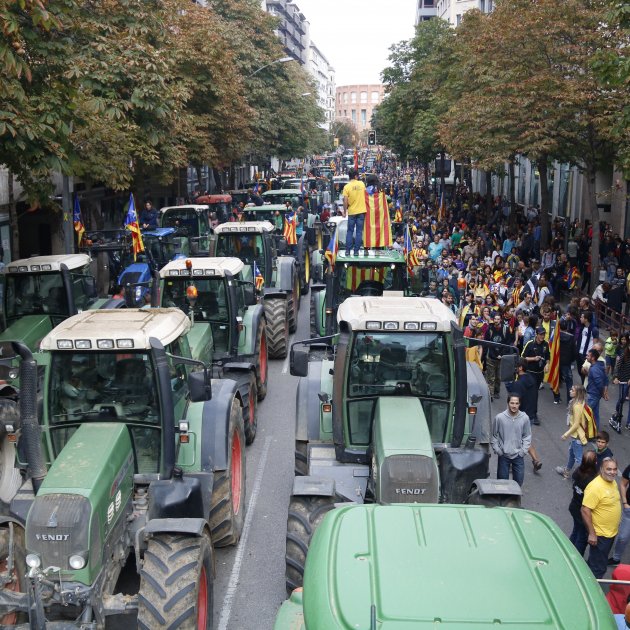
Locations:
(293, 29)
(453, 10)
(356, 103)
(324, 75)
(425, 10)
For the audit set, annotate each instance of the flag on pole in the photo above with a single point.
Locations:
(398, 217)
(332, 249)
(289, 231)
(356, 275)
(131, 223)
(553, 376)
(356, 160)
(442, 208)
(258, 278)
(572, 277)
(79, 228)
(378, 229)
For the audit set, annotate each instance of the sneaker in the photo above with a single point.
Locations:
(536, 421)
(562, 471)
(348, 254)
(541, 386)
(556, 402)
(537, 465)
(615, 425)
(612, 562)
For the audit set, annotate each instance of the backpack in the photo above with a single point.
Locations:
(588, 423)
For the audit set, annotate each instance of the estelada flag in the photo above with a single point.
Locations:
(398, 217)
(356, 275)
(412, 255)
(131, 223)
(258, 278)
(378, 229)
(79, 228)
(553, 376)
(332, 249)
(289, 229)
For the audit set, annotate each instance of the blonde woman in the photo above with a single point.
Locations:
(575, 430)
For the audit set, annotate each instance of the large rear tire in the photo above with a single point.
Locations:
(176, 583)
(227, 510)
(293, 304)
(301, 458)
(305, 514)
(306, 272)
(261, 361)
(277, 328)
(18, 574)
(10, 477)
(252, 420)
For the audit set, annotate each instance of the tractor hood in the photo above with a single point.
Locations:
(30, 330)
(446, 566)
(82, 497)
(406, 470)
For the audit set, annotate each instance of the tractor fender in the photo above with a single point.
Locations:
(313, 486)
(274, 294)
(194, 526)
(286, 271)
(318, 287)
(477, 386)
(252, 319)
(308, 405)
(302, 250)
(5, 519)
(215, 420)
(503, 487)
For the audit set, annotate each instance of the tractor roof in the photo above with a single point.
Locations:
(94, 329)
(161, 232)
(374, 257)
(429, 313)
(245, 226)
(47, 263)
(202, 267)
(288, 192)
(191, 206)
(455, 566)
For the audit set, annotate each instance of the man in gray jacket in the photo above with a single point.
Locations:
(511, 438)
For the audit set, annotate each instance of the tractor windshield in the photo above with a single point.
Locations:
(281, 198)
(399, 364)
(187, 220)
(246, 246)
(105, 387)
(205, 296)
(369, 279)
(35, 294)
(163, 249)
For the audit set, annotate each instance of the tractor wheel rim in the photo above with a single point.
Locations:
(202, 601)
(263, 359)
(237, 457)
(14, 586)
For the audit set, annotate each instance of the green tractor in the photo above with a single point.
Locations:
(396, 416)
(138, 462)
(443, 566)
(256, 244)
(228, 325)
(191, 221)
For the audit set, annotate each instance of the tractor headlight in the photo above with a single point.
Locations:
(33, 561)
(76, 562)
(13, 374)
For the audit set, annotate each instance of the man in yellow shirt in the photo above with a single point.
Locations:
(354, 208)
(601, 513)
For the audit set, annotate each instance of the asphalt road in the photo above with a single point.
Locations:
(249, 586)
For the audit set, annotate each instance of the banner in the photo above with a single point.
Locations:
(377, 231)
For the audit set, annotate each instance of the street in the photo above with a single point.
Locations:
(249, 586)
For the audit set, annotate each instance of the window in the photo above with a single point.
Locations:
(375, 97)
(345, 97)
(482, 6)
(458, 19)
(428, 4)
(364, 117)
(353, 97)
(364, 97)
(354, 115)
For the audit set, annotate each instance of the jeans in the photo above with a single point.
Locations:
(598, 556)
(621, 401)
(579, 535)
(623, 535)
(593, 403)
(517, 465)
(492, 376)
(575, 453)
(540, 377)
(566, 376)
(355, 223)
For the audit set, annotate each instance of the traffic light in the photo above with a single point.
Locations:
(371, 138)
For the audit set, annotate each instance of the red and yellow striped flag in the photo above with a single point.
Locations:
(553, 376)
(378, 229)
(356, 275)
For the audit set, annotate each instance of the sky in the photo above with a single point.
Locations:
(355, 35)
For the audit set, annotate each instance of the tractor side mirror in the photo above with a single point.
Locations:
(283, 248)
(249, 293)
(299, 362)
(199, 387)
(507, 369)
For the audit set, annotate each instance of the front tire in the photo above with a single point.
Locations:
(277, 328)
(251, 425)
(261, 361)
(18, 575)
(305, 515)
(227, 510)
(176, 583)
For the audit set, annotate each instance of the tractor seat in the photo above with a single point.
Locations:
(436, 386)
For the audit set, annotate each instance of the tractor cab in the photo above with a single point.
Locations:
(191, 221)
(280, 197)
(218, 205)
(212, 292)
(164, 244)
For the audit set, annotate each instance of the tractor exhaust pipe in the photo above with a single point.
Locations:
(31, 431)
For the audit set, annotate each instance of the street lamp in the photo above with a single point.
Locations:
(271, 63)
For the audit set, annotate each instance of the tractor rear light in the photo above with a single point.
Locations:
(33, 561)
(83, 344)
(390, 326)
(124, 343)
(105, 344)
(472, 410)
(184, 438)
(64, 344)
(429, 326)
(373, 325)
(76, 562)
(11, 437)
(327, 408)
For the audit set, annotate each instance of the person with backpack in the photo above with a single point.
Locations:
(597, 386)
(576, 430)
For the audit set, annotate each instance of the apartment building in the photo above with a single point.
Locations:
(355, 103)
